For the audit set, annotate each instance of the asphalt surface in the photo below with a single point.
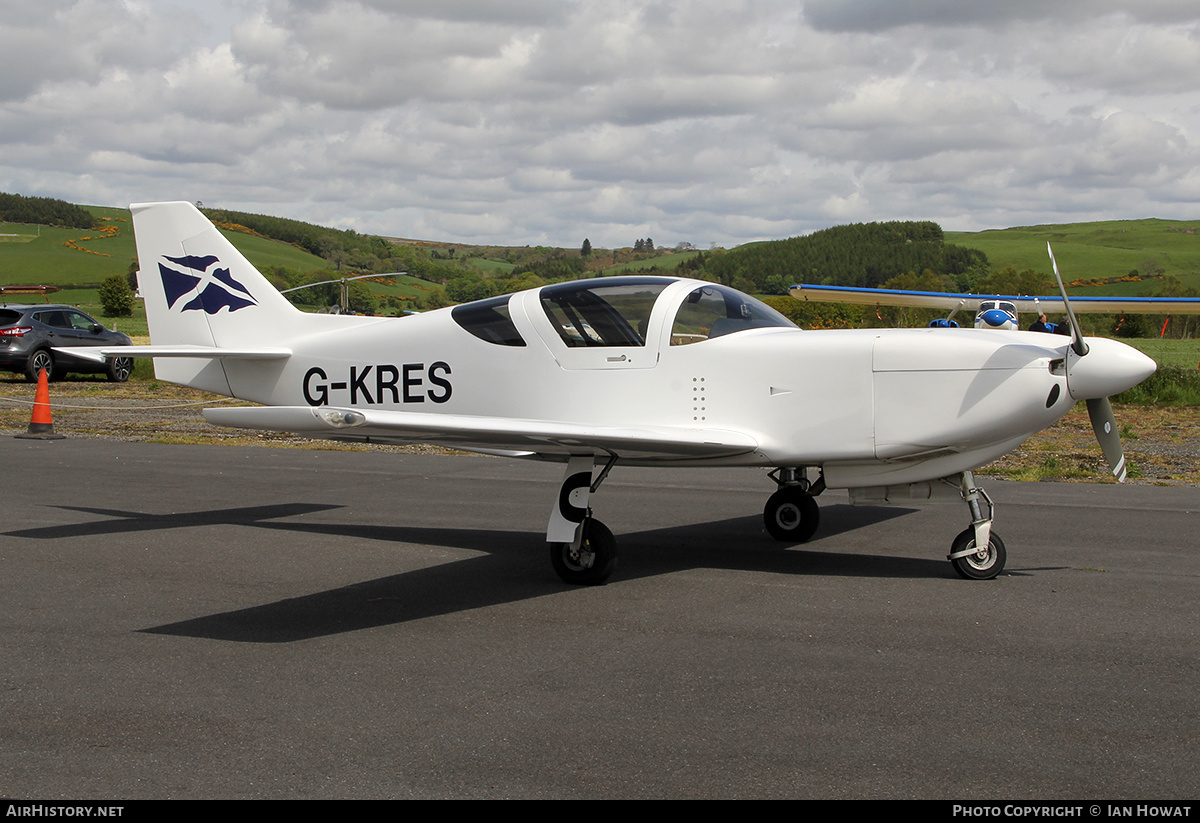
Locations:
(219, 622)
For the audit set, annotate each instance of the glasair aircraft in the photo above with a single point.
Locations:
(644, 371)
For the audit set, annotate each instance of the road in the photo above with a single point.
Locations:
(238, 622)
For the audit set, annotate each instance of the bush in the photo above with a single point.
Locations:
(116, 297)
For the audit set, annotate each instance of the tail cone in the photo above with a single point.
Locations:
(41, 427)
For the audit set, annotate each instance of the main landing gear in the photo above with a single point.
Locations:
(588, 561)
(583, 552)
(791, 514)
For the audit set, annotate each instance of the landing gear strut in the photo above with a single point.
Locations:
(583, 551)
(791, 514)
(968, 559)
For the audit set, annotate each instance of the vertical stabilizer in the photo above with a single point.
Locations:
(198, 287)
(200, 290)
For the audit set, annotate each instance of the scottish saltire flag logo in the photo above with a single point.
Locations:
(201, 285)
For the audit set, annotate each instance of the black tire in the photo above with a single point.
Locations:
(792, 515)
(119, 369)
(38, 360)
(595, 561)
(980, 565)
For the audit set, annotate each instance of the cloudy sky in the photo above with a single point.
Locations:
(547, 121)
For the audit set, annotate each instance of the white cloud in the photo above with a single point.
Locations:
(550, 120)
(879, 15)
(1137, 59)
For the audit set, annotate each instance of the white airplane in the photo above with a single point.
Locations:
(641, 371)
(994, 311)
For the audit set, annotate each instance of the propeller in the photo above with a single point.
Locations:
(1104, 424)
(1112, 368)
(1077, 343)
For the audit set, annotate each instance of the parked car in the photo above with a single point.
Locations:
(30, 333)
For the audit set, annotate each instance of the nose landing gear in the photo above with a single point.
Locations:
(968, 559)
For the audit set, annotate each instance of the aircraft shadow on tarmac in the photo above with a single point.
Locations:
(124, 521)
(508, 570)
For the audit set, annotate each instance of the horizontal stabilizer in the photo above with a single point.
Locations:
(545, 438)
(101, 353)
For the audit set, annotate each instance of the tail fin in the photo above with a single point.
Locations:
(200, 291)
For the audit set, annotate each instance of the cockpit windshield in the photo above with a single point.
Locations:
(1003, 305)
(602, 312)
(489, 320)
(713, 310)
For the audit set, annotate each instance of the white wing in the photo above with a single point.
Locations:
(950, 300)
(530, 438)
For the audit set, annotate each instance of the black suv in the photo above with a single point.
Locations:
(29, 333)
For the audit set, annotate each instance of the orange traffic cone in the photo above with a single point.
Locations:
(41, 427)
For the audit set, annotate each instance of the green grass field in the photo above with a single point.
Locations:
(489, 266)
(1094, 250)
(402, 285)
(665, 263)
(39, 255)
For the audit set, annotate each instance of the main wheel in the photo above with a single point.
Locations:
(40, 359)
(119, 369)
(593, 562)
(792, 515)
(980, 565)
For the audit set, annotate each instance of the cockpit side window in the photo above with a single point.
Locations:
(599, 313)
(489, 320)
(714, 311)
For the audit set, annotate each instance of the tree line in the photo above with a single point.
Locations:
(45, 211)
(864, 255)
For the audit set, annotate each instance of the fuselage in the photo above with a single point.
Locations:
(868, 406)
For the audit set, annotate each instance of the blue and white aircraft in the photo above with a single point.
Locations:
(630, 371)
(994, 311)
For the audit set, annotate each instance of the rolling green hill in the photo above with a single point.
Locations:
(45, 255)
(81, 259)
(1088, 251)
(663, 264)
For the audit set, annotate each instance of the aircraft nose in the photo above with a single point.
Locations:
(1108, 368)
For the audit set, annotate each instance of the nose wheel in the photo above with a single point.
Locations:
(974, 563)
(792, 514)
(966, 556)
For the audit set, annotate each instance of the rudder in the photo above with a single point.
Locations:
(200, 290)
(198, 287)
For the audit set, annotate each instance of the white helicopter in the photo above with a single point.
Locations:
(641, 371)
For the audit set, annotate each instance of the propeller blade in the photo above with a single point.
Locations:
(1077, 342)
(1093, 380)
(1105, 426)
